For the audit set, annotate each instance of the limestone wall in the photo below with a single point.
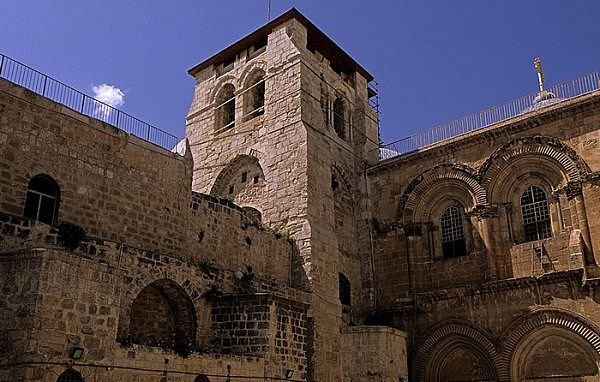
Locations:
(114, 184)
(485, 172)
(150, 240)
(374, 353)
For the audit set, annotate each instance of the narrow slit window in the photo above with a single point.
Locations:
(536, 214)
(453, 234)
(338, 118)
(345, 292)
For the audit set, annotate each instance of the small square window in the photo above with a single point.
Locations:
(244, 176)
(231, 189)
(256, 179)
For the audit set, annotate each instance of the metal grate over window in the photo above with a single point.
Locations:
(70, 375)
(536, 214)
(453, 235)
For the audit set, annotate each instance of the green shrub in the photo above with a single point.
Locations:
(70, 235)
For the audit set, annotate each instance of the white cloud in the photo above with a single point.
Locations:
(110, 95)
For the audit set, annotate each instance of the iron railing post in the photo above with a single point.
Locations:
(44, 90)
(148, 133)
(118, 113)
(1, 65)
(82, 101)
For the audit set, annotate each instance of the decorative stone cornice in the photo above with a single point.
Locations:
(573, 189)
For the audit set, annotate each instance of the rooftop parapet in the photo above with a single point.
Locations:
(529, 103)
(57, 91)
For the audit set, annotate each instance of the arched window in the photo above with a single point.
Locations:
(225, 109)
(254, 97)
(536, 214)
(338, 117)
(43, 198)
(70, 375)
(201, 378)
(453, 234)
(345, 292)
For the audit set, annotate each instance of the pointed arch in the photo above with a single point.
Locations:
(231, 180)
(444, 341)
(562, 162)
(520, 338)
(163, 313)
(432, 182)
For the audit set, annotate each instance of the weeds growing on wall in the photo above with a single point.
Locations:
(212, 293)
(70, 235)
(208, 269)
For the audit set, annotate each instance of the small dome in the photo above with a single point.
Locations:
(542, 100)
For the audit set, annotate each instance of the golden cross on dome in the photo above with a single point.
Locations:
(541, 78)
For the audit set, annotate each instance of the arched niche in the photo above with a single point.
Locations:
(162, 314)
(240, 180)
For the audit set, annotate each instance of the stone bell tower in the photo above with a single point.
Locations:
(280, 123)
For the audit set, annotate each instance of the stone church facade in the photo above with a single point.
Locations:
(274, 244)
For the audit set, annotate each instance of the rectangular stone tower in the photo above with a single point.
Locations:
(280, 123)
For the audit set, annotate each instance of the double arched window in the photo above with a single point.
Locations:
(43, 198)
(453, 233)
(536, 214)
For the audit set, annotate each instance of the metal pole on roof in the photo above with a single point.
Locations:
(269, 12)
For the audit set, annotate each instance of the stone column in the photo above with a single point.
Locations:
(573, 190)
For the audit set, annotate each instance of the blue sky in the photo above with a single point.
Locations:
(435, 60)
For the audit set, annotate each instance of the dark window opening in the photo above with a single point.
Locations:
(453, 236)
(231, 189)
(42, 200)
(225, 113)
(338, 117)
(536, 214)
(229, 61)
(70, 375)
(256, 179)
(334, 182)
(244, 176)
(335, 68)
(261, 44)
(345, 292)
(254, 99)
(201, 378)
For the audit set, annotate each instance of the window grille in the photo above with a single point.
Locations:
(453, 235)
(536, 214)
(70, 375)
(42, 199)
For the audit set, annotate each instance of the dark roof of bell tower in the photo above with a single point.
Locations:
(318, 40)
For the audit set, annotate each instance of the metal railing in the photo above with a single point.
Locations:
(57, 91)
(564, 91)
